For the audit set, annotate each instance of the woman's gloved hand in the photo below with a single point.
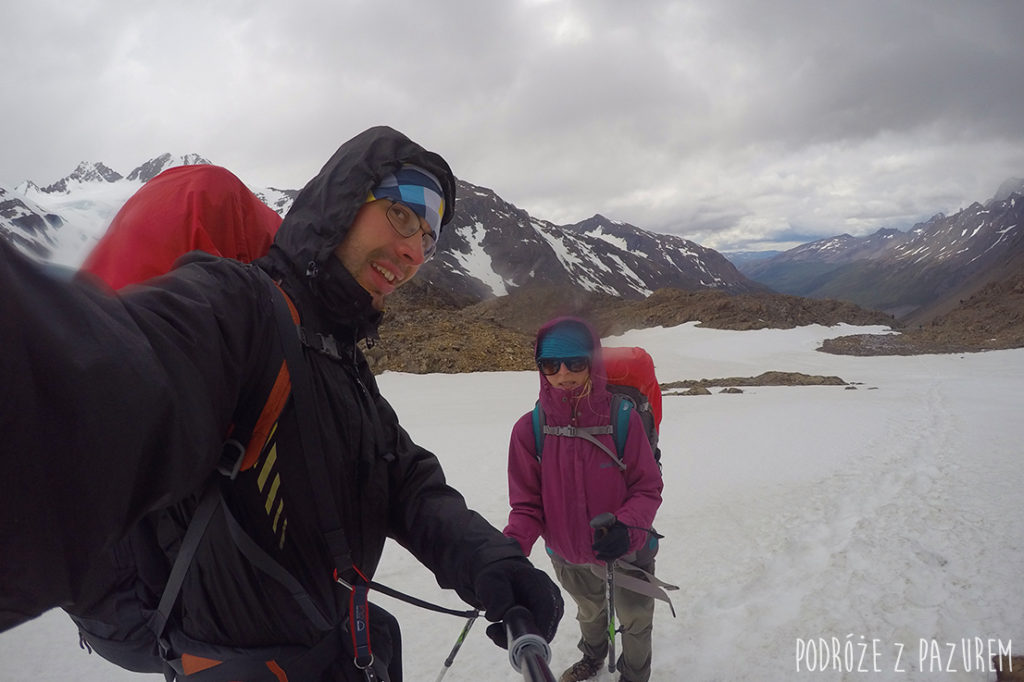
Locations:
(611, 542)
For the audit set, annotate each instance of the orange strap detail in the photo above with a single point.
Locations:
(268, 417)
(282, 676)
(291, 306)
(272, 408)
(197, 664)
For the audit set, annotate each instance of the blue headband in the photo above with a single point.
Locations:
(418, 189)
(566, 341)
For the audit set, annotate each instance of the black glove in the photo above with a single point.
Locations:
(612, 542)
(515, 582)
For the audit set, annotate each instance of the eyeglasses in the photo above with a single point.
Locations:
(407, 223)
(550, 366)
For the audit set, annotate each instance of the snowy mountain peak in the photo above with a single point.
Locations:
(154, 167)
(86, 172)
(26, 187)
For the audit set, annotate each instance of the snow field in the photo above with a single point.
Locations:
(883, 521)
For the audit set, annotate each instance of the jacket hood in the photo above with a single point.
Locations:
(324, 209)
(551, 398)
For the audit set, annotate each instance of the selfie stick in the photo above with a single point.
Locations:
(527, 651)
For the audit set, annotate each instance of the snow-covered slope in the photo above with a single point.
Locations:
(914, 274)
(86, 210)
(493, 248)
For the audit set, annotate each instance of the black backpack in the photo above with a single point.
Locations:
(129, 625)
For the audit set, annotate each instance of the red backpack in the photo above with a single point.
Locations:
(185, 208)
(634, 367)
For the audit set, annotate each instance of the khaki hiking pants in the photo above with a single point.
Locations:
(634, 614)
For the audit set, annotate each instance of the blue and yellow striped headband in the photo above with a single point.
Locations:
(418, 189)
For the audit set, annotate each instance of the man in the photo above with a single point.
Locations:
(116, 408)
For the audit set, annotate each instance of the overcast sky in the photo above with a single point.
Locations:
(738, 124)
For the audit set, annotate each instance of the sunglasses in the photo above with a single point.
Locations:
(550, 366)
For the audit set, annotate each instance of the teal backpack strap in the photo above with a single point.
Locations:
(538, 430)
(622, 407)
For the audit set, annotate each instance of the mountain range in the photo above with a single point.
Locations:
(491, 249)
(914, 275)
(951, 282)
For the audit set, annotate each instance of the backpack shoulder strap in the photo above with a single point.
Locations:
(587, 433)
(619, 428)
(622, 407)
(208, 504)
(293, 373)
(538, 430)
(309, 430)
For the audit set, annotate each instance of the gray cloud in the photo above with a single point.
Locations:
(729, 122)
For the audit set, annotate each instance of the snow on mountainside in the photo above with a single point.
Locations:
(84, 202)
(491, 249)
(154, 167)
(28, 225)
(845, 248)
(915, 274)
(85, 173)
(278, 199)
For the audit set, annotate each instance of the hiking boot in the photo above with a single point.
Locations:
(583, 669)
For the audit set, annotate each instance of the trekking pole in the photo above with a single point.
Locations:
(458, 645)
(528, 653)
(601, 523)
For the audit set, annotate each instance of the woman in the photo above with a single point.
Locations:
(556, 495)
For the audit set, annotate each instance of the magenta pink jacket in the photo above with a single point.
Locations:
(575, 480)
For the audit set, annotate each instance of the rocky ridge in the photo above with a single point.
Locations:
(497, 335)
(730, 384)
(450, 335)
(990, 319)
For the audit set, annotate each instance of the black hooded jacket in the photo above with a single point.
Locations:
(115, 408)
